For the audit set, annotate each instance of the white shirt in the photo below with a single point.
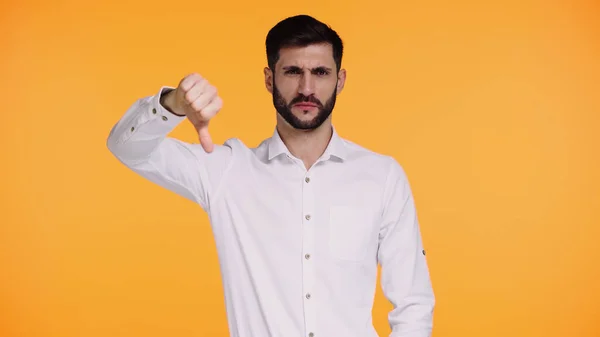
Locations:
(298, 249)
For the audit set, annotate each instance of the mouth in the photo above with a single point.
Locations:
(305, 105)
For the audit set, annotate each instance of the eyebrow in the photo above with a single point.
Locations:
(312, 69)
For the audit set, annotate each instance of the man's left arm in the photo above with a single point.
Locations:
(405, 279)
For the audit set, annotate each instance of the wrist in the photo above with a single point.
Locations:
(167, 101)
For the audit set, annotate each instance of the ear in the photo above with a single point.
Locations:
(341, 80)
(268, 79)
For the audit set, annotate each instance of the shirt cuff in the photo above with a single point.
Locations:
(170, 120)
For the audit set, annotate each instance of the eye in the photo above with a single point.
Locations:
(293, 71)
(321, 72)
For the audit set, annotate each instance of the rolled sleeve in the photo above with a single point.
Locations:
(405, 278)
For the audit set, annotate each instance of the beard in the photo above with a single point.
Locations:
(284, 109)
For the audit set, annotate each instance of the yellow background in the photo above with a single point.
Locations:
(492, 107)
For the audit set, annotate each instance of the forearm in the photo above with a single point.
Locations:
(413, 301)
(405, 278)
(141, 130)
(139, 140)
(406, 283)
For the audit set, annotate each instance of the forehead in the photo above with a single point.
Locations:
(315, 55)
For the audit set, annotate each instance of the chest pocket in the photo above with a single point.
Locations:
(351, 232)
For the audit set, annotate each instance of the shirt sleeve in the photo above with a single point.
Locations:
(405, 276)
(140, 141)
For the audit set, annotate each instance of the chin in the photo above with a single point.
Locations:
(306, 110)
(306, 115)
(307, 119)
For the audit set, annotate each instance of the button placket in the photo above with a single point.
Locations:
(308, 244)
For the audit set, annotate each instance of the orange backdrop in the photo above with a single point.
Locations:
(492, 107)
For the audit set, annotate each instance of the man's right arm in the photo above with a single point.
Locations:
(140, 141)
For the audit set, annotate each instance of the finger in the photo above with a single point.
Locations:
(207, 95)
(188, 82)
(212, 108)
(195, 91)
(205, 139)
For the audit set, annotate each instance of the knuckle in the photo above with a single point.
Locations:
(197, 105)
(202, 115)
(195, 76)
(188, 96)
(184, 86)
(186, 83)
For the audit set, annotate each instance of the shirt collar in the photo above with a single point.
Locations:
(336, 147)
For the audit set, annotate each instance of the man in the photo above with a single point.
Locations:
(302, 221)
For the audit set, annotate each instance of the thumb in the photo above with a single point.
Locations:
(204, 136)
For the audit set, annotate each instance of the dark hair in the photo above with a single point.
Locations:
(301, 31)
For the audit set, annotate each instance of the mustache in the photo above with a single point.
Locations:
(311, 99)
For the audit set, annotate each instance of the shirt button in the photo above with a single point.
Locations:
(307, 256)
(132, 128)
(154, 111)
(308, 296)
(311, 334)
(307, 216)
(307, 179)
(164, 118)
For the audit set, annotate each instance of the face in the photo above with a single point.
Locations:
(305, 85)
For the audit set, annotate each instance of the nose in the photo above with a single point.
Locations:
(306, 86)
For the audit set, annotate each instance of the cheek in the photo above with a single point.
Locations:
(326, 89)
(287, 89)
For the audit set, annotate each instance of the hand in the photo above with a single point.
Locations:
(197, 99)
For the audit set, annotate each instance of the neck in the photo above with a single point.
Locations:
(307, 145)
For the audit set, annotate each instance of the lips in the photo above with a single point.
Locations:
(306, 105)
